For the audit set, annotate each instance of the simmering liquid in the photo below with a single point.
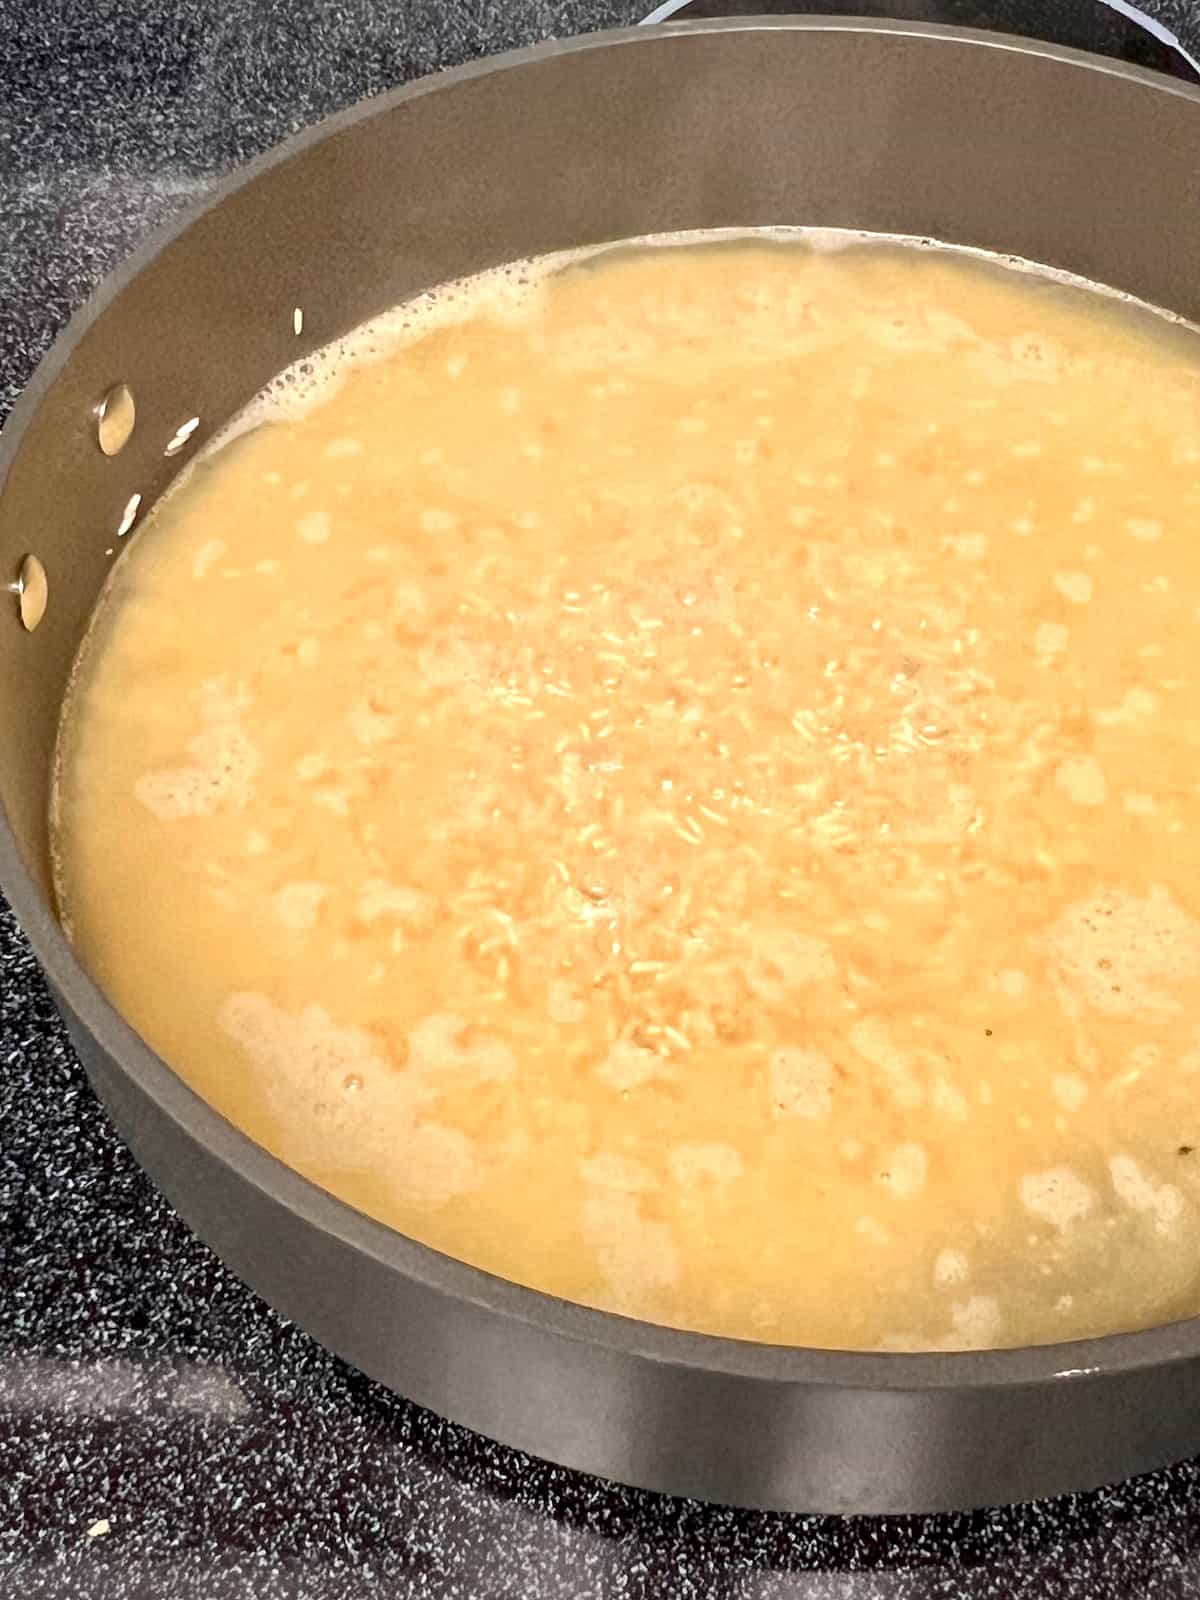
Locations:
(676, 779)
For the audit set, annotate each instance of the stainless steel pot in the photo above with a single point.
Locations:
(971, 138)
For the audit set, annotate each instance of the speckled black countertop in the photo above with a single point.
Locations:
(162, 1433)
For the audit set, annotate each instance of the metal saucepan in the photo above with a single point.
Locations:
(972, 138)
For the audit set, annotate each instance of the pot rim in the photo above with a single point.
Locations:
(738, 1359)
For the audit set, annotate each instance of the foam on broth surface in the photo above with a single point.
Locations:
(675, 779)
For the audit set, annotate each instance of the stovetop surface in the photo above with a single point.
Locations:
(162, 1433)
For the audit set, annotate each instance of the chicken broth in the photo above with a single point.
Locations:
(674, 777)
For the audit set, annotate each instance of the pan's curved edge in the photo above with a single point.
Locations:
(897, 1375)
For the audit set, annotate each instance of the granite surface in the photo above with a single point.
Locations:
(162, 1433)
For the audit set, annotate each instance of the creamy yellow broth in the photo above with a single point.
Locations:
(676, 780)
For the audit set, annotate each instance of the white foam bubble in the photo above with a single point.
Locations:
(563, 1003)
(1074, 586)
(1084, 511)
(628, 1066)
(444, 1044)
(872, 1039)
(1125, 953)
(609, 1170)
(1162, 1202)
(297, 904)
(359, 1110)
(968, 546)
(1058, 1196)
(450, 663)
(315, 527)
(1136, 702)
(1081, 779)
(948, 1101)
(638, 1257)
(871, 1229)
(800, 1082)
(378, 898)
(1012, 982)
(311, 766)
(435, 519)
(1038, 354)
(1070, 1090)
(221, 771)
(976, 1323)
(409, 604)
(950, 1267)
(434, 1164)
(705, 1163)
(339, 449)
(369, 725)
(1051, 638)
(1147, 529)
(904, 1170)
(783, 959)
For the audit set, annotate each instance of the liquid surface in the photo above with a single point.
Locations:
(678, 782)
